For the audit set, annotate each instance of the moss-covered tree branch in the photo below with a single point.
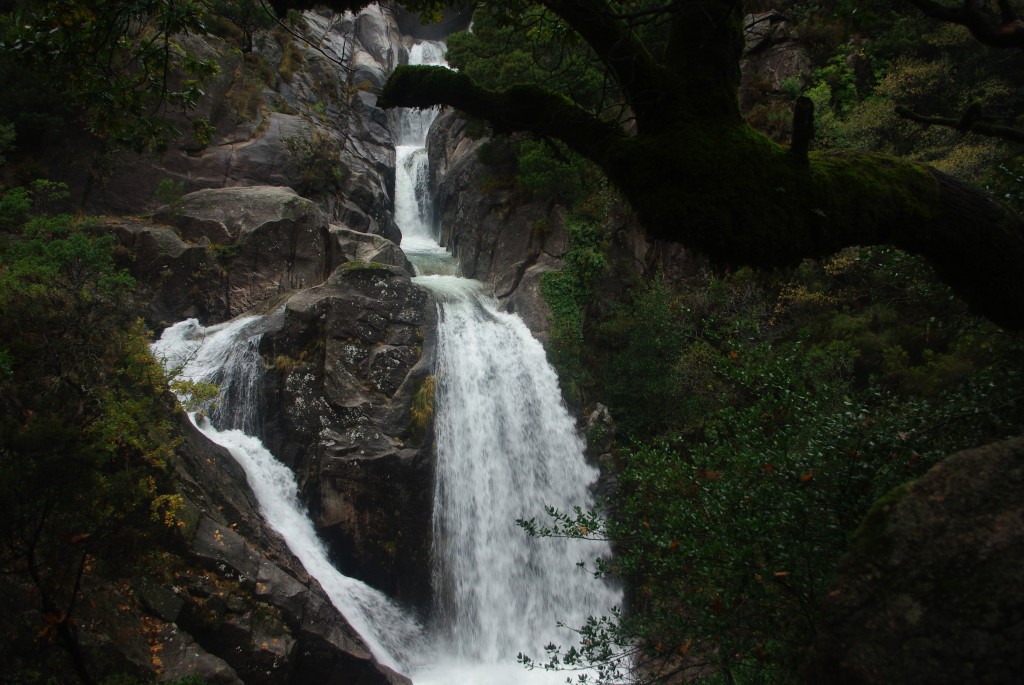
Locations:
(521, 108)
(726, 190)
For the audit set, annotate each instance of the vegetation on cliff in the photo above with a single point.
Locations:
(760, 413)
(86, 434)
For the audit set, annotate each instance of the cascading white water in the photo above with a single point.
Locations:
(506, 448)
(413, 200)
(228, 353)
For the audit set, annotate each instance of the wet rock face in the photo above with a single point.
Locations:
(288, 114)
(347, 361)
(232, 605)
(930, 591)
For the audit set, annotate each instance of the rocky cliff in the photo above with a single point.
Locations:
(298, 111)
(286, 209)
(503, 236)
(929, 591)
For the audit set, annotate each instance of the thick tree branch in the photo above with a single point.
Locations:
(1005, 31)
(520, 108)
(639, 77)
(706, 42)
(965, 123)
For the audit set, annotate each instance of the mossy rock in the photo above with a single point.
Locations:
(930, 590)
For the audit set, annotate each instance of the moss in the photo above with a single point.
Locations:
(871, 540)
(422, 409)
(743, 199)
(285, 364)
(358, 265)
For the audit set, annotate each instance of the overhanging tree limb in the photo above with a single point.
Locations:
(965, 124)
(521, 108)
(703, 178)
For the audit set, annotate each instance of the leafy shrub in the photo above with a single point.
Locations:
(86, 430)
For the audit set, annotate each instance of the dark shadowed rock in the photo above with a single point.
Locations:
(772, 55)
(229, 603)
(251, 603)
(346, 363)
(930, 590)
(177, 280)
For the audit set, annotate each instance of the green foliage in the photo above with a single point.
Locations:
(111, 66)
(929, 67)
(567, 293)
(170, 191)
(760, 416)
(317, 158)
(422, 409)
(249, 16)
(518, 42)
(7, 136)
(553, 173)
(643, 381)
(86, 432)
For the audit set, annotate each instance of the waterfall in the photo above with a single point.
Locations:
(506, 448)
(228, 354)
(414, 210)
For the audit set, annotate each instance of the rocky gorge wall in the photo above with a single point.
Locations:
(287, 209)
(267, 220)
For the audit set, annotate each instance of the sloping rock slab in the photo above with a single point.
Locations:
(267, 238)
(931, 589)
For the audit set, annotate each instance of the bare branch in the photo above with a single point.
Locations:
(969, 122)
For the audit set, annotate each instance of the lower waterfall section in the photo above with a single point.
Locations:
(506, 449)
(228, 354)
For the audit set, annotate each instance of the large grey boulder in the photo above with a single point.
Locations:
(267, 240)
(346, 245)
(220, 252)
(345, 365)
(930, 590)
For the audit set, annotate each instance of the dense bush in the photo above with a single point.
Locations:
(762, 415)
(85, 435)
